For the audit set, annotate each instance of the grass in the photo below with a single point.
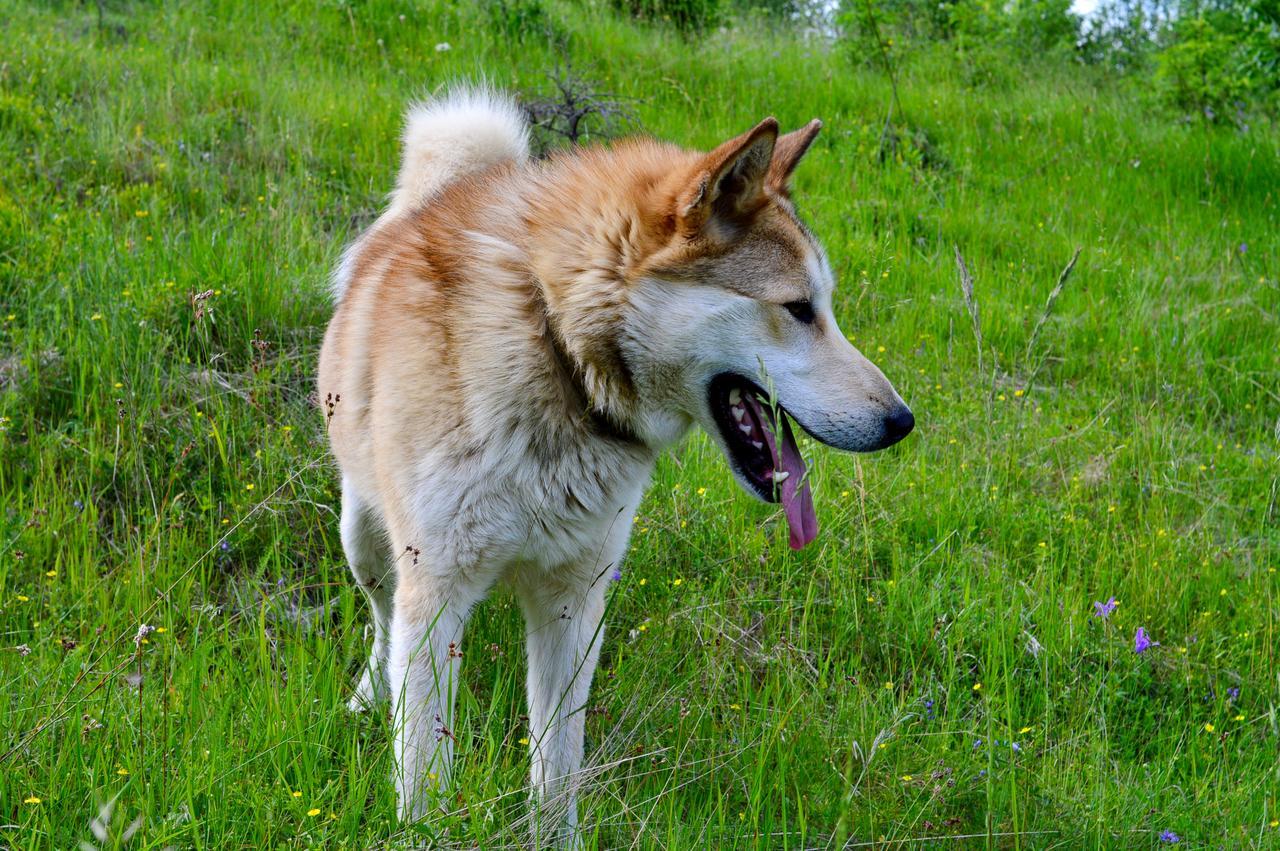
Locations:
(175, 182)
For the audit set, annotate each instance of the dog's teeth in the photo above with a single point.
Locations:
(745, 428)
(757, 444)
(739, 413)
(780, 477)
(735, 396)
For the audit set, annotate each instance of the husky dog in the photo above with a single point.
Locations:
(514, 343)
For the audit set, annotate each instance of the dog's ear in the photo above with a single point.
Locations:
(727, 185)
(787, 153)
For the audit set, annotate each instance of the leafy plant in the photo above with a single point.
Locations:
(1199, 70)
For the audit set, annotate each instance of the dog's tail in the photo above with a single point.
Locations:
(467, 130)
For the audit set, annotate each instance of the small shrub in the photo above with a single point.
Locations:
(1200, 70)
(1038, 26)
(575, 109)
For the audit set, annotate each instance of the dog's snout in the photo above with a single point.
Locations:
(898, 425)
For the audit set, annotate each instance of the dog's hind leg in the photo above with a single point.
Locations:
(438, 582)
(564, 627)
(426, 655)
(365, 544)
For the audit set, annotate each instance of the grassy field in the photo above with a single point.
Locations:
(175, 182)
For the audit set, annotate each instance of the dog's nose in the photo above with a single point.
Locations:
(898, 425)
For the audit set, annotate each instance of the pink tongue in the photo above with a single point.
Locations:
(797, 497)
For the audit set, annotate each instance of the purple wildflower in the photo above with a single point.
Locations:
(1233, 693)
(1016, 747)
(617, 574)
(1142, 642)
(1244, 247)
(1169, 837)
(1103, 611)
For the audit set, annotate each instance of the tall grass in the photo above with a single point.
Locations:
(177, 179)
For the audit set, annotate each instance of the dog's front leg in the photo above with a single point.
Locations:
(564, 627)
(426, 640)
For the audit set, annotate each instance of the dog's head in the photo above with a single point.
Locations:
(731, 324)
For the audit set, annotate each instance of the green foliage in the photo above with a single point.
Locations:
(1022, 27)
(521, 19)
(1040, 26)
(1217, 60)
(687, 16)
(984, 43)
(1118, 36)
(779, 10)
(1201, 68)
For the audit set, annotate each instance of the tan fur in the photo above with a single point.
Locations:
(509, 358)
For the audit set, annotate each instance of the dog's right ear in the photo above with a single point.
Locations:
(727, 186)
(787, 153)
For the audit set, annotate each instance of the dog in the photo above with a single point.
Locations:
(513, 344)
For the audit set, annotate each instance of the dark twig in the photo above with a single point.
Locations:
(577, 109)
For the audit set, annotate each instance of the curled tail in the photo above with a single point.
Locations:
(467, 130)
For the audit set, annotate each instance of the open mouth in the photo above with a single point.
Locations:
(762, 448)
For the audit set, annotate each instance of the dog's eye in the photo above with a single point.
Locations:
(801, 310)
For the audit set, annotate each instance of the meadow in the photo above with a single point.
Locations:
(945, 667)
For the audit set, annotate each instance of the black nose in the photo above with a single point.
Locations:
(898, 425)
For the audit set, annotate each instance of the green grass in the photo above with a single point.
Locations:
(157, 466)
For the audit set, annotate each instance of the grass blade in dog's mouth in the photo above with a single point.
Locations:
(762, 446)
(792, 481)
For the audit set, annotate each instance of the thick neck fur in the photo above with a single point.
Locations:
(593, 219)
